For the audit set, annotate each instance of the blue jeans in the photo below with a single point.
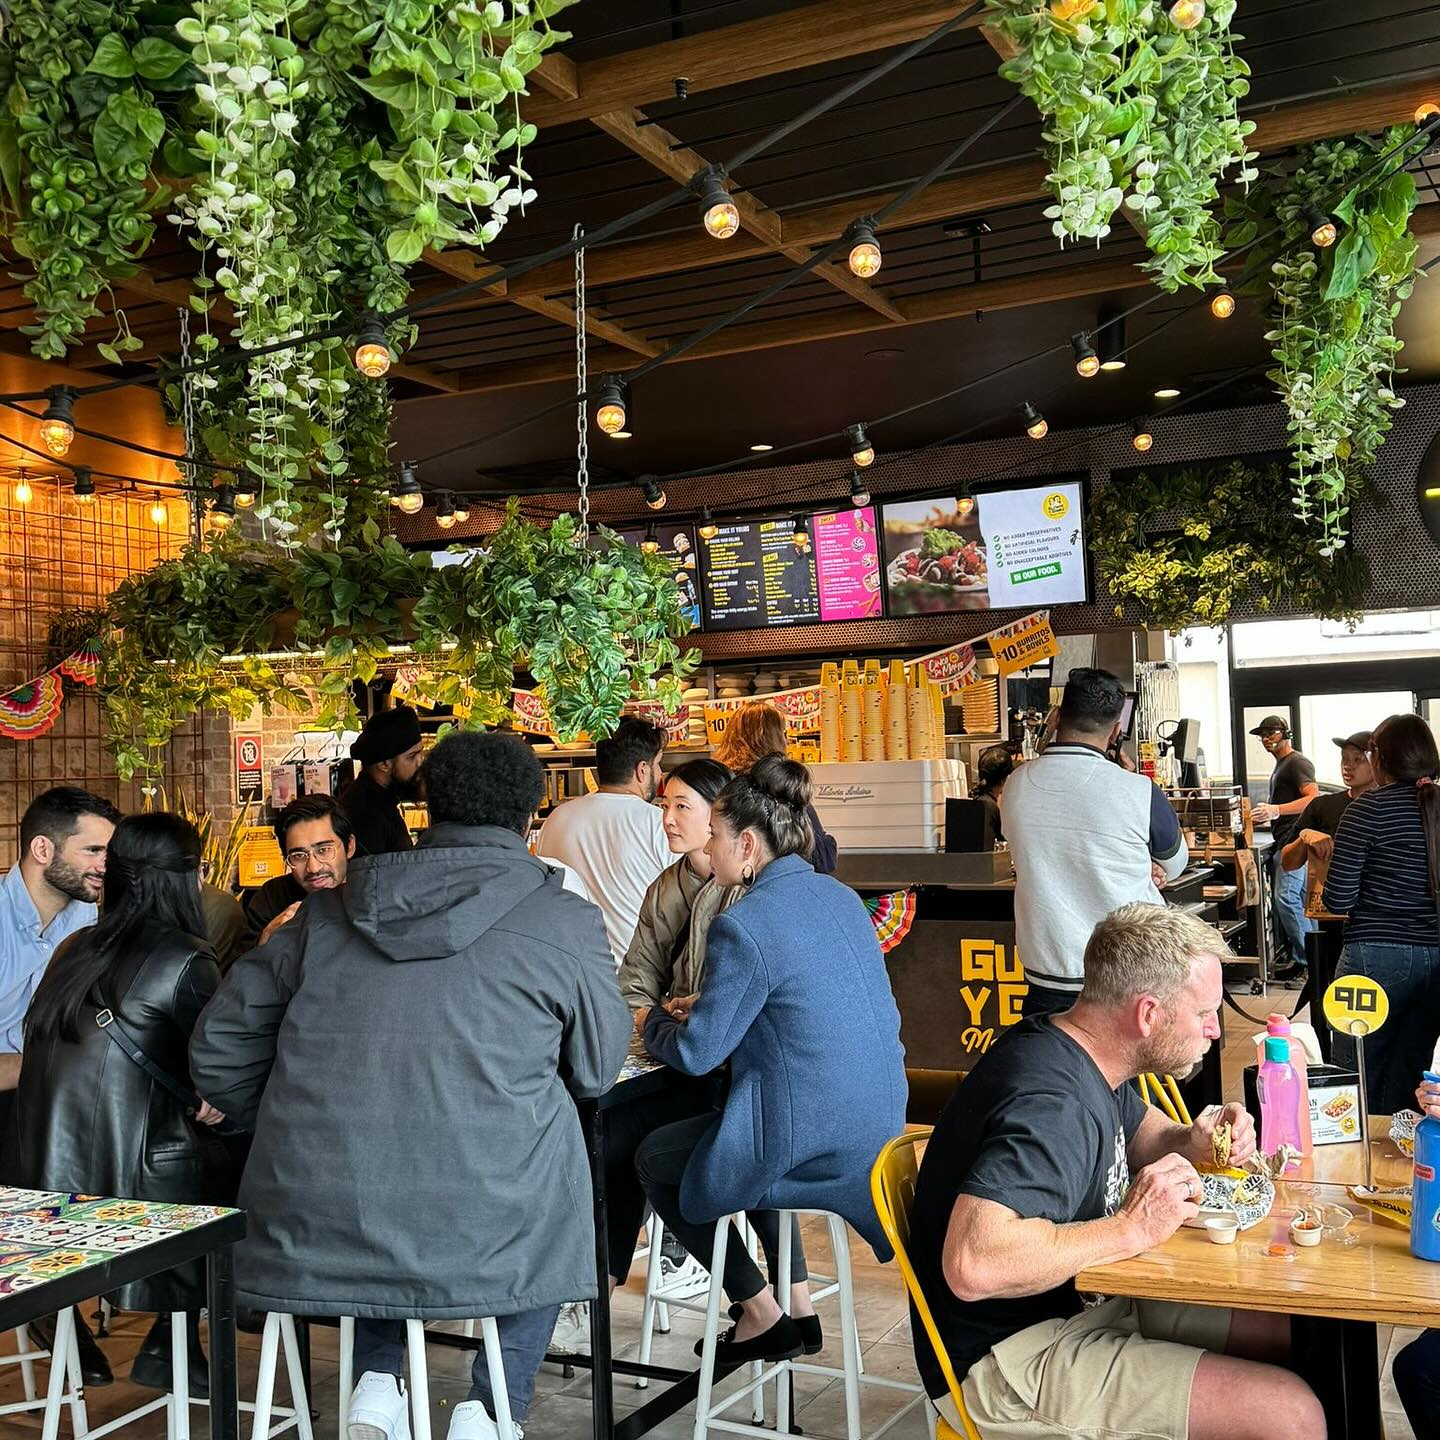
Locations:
(1399, 1052)
(1287, 890)
(1417, 1378)
(380, 1346)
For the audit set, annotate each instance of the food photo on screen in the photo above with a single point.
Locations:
(935, 559)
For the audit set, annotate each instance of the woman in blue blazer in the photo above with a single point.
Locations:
(797, 999)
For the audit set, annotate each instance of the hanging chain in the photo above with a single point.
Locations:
(187, 422)
(582, 384)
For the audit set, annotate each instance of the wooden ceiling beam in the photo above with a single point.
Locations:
(996, 187)
(673, 158)
(776, 45)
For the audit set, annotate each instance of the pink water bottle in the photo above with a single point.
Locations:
(1281, 1095)
(1277, 1024)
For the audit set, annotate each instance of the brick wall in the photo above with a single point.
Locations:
(55, 554)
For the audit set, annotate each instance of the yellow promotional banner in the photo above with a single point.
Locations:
(260, 858)
(1024, 644)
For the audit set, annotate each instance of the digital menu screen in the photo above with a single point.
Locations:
(1006, 548)
(755, 575)
(677, 547)
(847, 563)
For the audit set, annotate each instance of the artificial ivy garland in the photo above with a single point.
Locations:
(1138, 112)
(1332, 314)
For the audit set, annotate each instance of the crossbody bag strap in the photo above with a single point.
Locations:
(106, 1021)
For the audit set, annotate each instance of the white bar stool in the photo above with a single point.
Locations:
(420, 1377)
(64, 1386)
(709, 1413)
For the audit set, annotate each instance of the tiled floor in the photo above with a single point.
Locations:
(562, 1407)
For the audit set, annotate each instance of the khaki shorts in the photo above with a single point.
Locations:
(1122, 1369)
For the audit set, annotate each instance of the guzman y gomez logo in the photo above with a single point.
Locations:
(844, 793)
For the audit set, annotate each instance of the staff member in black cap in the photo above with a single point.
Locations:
(1292, 787)
(1320, 820)
(389, 751)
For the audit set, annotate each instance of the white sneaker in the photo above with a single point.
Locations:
(572, 1330)
(471, 1421)
(379, 1408)
(680, 1282)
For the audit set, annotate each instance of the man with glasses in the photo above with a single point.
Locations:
(318, 844)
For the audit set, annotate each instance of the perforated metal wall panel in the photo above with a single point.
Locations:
(1404, 560)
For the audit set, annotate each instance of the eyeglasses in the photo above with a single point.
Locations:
(324, 852)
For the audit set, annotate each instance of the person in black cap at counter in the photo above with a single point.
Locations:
(1315, 838)
(388, 751)
(1292, 787)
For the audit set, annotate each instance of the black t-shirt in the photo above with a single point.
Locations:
(1291, 776)
(1323, 813)
(1036, 1128)
(264, 904)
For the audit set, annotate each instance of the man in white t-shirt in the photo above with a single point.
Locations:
(614, 840)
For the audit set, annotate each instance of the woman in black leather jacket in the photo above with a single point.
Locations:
(90, 1118)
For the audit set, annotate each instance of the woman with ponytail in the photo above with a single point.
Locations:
(797, 1000)
(1384, 877)
(90, 1115)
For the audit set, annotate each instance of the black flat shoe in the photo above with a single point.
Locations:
(780, 1342)
(811, 1335)
(151, 1366)
(94, 1367)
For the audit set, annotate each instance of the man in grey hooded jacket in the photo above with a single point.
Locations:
(408, 1052)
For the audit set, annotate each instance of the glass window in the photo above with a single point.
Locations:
(1326, 718)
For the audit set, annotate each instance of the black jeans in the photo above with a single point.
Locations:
(1042, 1000)
(626, 1126)
(661, 1163)
(1417, 1378)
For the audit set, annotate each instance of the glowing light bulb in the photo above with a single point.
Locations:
(1426, 110)
(1036, 426)
(23, 493)
(610, 413)
(1222, 306)
(372, 354)
(1087, 362)
(722, 216)
(651, 543)
(84, 487)
(57, 424)
(1322, 228)
(865, 257)
(1187, 14)
(964, 507)
(159, 512)
(862, 452)
(244, 498)
(708, 528)
(410, 504)
(1142, 439)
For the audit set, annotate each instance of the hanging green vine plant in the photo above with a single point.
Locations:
(1138, 112)
(80, 130)
(1197, 545)
(1332, 314)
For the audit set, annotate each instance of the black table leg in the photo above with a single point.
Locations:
(224, 1412)
(602, 1378)
(1349, 1391)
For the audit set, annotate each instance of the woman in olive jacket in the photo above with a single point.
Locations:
(88, 1117)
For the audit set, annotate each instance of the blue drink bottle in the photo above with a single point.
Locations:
(1425, 1215)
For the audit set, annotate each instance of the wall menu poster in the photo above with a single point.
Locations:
(847, 563)
(1004, 548)
(756, 575)
(1036, 543)
(677, 548)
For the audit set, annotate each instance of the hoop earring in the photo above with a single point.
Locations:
(747, 875)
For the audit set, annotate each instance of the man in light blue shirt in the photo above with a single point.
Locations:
(49, 893)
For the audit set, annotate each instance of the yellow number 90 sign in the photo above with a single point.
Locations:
(1356, 1005)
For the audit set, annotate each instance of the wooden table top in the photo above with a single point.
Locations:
(1375, 1280)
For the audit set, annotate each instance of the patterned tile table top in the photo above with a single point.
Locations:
(45, 1234)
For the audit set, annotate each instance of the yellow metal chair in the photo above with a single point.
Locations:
(1162, 1092)
(892, 1188)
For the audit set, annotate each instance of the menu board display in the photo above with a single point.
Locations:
(677, 546)
(755, 575)
(1001, 549)
(847, 563)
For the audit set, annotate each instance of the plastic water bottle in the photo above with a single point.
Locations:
(1277, 1024)
(1281, 1095)
(1425, 1212)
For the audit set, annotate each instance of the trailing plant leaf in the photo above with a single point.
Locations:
(1137, 112)
(1332, 318)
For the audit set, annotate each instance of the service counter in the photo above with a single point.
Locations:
(956, 975)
